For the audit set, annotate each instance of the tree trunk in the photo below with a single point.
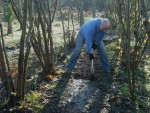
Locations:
(9, 86)
(21, 54)
(145, 16)
(63, 26)
(3, 74)
(20, 9)
(16, 12)
(3, 44)
(9, 31)
(30, 33)
(81, 13)
(94, 8)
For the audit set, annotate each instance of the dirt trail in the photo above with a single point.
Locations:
(89, 96)
(82, 95)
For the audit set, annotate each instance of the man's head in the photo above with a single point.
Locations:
(105, 24)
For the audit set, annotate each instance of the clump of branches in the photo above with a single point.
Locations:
(42, 41)
(37, 18)
(134, 36)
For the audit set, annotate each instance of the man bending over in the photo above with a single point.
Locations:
(91, 34)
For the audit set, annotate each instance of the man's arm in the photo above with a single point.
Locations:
(101, 36)
(88, 41)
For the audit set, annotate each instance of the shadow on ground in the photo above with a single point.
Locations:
(82, 95)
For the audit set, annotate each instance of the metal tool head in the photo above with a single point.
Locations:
(92, 67)
(92, 77)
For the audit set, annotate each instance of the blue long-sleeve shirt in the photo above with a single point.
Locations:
(92, 34)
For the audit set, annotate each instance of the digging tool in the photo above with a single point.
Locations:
(92, 77)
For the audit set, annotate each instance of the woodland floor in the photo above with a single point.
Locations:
(106, 94)
(64, 94)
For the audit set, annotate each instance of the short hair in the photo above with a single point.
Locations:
(105, 20)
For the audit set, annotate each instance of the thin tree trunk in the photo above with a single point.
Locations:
(28, 44)
(63, 26)
(8, 84)
(135, 48)
(50, 33)
(128, 49)
(3, 73)
(145, 15)
(15, 10)
(81, 13)
(9, 31)
(73, 32)
(94, 8)
(3, 44)
(20, 9)
(21, 54)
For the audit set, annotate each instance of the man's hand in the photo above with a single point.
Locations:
(91, 57)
